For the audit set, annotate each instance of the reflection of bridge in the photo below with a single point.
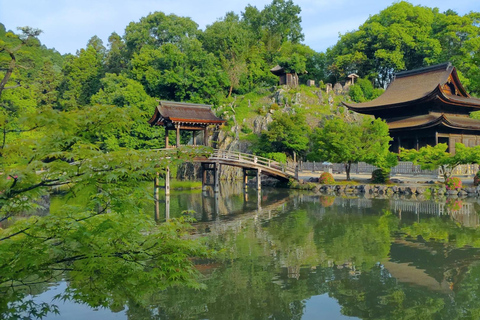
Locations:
(248, 162)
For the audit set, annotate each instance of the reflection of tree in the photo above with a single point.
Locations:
(362, 240)
(334, 253)
(376, 295)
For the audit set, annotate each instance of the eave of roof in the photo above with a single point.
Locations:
(433, 120)
(179, 112)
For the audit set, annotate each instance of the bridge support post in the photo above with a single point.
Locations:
(216, 169)
(167, 207)
(296, 172)
(167, 180)
(156, 187)
(259, 179)
(204, 177)
(245, 178)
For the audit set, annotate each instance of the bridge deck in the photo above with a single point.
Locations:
(250, 161)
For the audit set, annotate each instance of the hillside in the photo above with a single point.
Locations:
(248, 115)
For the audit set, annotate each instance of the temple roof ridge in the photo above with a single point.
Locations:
(436, 83)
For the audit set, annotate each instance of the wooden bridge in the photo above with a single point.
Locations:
(249, 163)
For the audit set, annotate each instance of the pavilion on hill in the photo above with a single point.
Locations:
(184, 116)
(285, 78)
(426, 106)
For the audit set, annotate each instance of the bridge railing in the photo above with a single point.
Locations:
(252, 159)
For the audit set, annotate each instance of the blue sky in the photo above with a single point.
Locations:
(68, 24)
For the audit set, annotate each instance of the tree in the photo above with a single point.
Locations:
(115, 61)
(458, 36)
(180, 72)
(229, 40)
(363, 91)
(158, 29)
(11, 48)
(81, 77)
(286, 133)
(398, 38)
(122, 92)
(437, 157)
(342, 142)
(277, 23)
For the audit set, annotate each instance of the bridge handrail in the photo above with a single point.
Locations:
(251, 158)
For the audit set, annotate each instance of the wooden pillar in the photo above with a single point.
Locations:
(216, 187)
(259, 200)
(205, 136)
(193, 137)
(259, 179)
(167, 207)
(217, 205)
(204, 177)
(166, 137)
(156, 197)
(399, 144)
(245, 178)
(178, 135)
(416, 143)
(436, 137)
(167, 180)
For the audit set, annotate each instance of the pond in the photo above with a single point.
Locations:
(286, 254)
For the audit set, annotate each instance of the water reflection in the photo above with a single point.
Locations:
(291, 255)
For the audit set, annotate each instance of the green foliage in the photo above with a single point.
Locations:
(293, 64)
(342, 142)
(286, 133)
(363, 91)
(326, 178)
(437, 157)
(183, 72)
(229, 40)
(380, 176)
(158, 29)
(81, 77)
(453, 183)
(185, 185)
(405, 37)
(277, 156)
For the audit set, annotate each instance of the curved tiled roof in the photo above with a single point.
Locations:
(417, 86)
(184, 112)
(435, 119)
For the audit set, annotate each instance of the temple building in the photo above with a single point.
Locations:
(426, 106)
(179, 116)
(285, 78)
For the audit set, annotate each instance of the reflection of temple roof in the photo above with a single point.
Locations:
(407, 273)
(435, 84)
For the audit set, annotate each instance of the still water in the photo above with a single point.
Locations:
(294, 255)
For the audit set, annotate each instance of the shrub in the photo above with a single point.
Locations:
(476, 179)
(246, 130)
(380, 176)
(326, 178)
(453, 183)
(277, 156)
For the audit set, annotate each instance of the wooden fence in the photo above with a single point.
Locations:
(403, 167)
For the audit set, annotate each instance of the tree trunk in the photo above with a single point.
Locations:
(230, 91)
(348, 165)
(9, 72)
